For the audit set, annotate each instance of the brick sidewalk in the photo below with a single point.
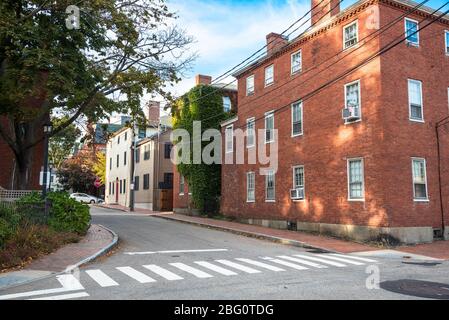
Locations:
(96, 239)
(438, 249)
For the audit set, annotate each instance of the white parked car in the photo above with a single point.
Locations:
(85, 198)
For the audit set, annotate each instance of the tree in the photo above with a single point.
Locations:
(204, 180)
(121, 50)
(77, 174)
(62, 144)
(99, 167)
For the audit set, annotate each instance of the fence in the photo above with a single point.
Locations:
(13, 195)
(28, 212)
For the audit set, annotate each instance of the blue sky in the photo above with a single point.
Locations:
(228, 31)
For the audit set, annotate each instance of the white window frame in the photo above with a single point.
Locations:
(356, 23)
(416, 44)
(181, 178)
(425, 178)
(349, 179)
(253, 175)
(248, 92)
(303, 181)
(226, 98)
(268, 172)
(300, 62)
(267, 84)
(268, 115)
(446, 42)
(231, 129)
(253, 121)
(410, 104)
(302, 117)
(360, 99)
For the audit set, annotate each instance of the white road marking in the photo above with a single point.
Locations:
(65, 296)
(285, 263)
(215, 268)
(332, 263)
(68, 282)
(136, 275)
(101, 278)
(302, 261)
(163, 272)
(352, 257)
(260, 264)
(174, 251)
(343, 260)
(197, 273)
(238, 266)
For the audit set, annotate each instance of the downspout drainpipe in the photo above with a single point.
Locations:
(439, 178)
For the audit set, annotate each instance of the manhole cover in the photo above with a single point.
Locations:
(417, 288)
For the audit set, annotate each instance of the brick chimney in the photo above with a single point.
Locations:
(154, 112)
(202, 79)
(275, 42)
(324, 10)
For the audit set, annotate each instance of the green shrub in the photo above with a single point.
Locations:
(67, 214)
(5, 231)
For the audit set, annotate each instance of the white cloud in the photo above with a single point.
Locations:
(228, 32)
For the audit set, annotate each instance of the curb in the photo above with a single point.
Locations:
(109, 208)
(70, 269)
(285, 241)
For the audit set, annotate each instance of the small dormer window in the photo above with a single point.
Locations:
(227, 104)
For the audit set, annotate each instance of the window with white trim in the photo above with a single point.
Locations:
(250, 132)
(269, 75)
(350, 35)
(412, 32)
(356, 186)
(297, 119)
(230, 138)
(352, 100)
(269, 127)
(415, 100)
(227, 105)
(251, 187)
(419, 179)
(296, 62)
(446, 41)
(270, 186)
(181, 185)
(298, 177)
(250, 85)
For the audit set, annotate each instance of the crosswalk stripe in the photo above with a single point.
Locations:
(65, 296)
(136, 275)
(197, 273)
(260, 264)
(332, 263)
(302, 261)
(343, 260)
(215, 268)
(285, 263)
(238, 266)
(353, 257)
(163, 272)
(101, 278)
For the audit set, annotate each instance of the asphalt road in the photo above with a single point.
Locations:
(160, 259)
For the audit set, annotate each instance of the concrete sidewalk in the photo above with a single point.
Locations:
(436, 250)
(98, 241)
(126, 209)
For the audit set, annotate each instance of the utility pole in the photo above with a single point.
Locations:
(132, 167)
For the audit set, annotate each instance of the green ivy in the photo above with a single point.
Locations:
(204, 180)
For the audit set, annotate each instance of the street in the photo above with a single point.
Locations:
(159, 259)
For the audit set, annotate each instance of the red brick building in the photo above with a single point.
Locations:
(376, 172)
(181, 195)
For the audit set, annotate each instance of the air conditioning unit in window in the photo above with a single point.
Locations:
(297, 194)
(351, 113)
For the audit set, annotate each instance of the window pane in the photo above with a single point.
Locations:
(229, 139)
(447, 42)
(350, 35)
(296, 62)
(420, 191)
(250, 133)
(297, 118)
(269, 126)
(356, 179)
(411, 28)
(299, 177)
(226, 104)
(270, 186)
(352, 95)
(269, 74)
(415, 92)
